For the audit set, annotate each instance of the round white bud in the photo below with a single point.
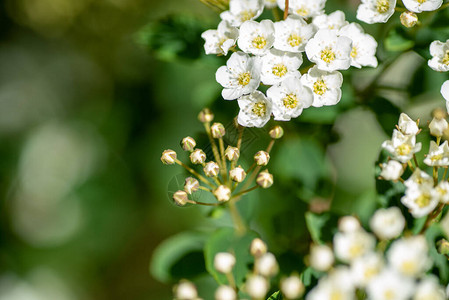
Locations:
(438, 126)
(180, 198)
(191, 185)
(225, 292)
(267, 265)
(197, 157)
(237, 174)
(392, 170)
(185, 290)
(292, 287)
(258, 247)
(321, 257)
(188, 144)
(348, 224)
(262, 158)
(276, 132)
(232, 153)
(387, 223)
(206, 116)
(408, 19)
(257, 286)
(224, 262)
(217, 130)
(168, 157)
(211, 169)
(264, 179)
(222, 193)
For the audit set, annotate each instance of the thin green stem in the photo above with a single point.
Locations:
(431, 218)
(203, 203)
(223, 160)
(416, 161)
(212, 143)
(435, 175)
(237, 219)
(411, 166)
(246, 191)
(444, 174)
(193, 172)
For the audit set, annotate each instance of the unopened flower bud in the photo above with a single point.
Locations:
(180, 198)
(262, 158)
(257, 287)
(222, 193)
(191, 185)
(185, 290)
(443, 247)
(408, 19)
(188, 144)
(438, 126)
(217, 130)
(206, 115)
(168, 157)
(264, 179)
(321, 257)
(232, 153)
(258, 247)
(197, 157)
(237, 174)
(276, 132)
(267, 265)
(211, 169)
(224, 262)
(348, 224)
(292, 287)
(392, 170)
(225, 292)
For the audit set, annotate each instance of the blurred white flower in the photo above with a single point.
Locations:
(392, 170)
(350, 245)
(219, 41)
(366, 267)
(418, 6)
(224, 262)
(402, 147)
(419, 179)
(321, 257)
(407, 126)
(304, 8)
(409, 256)
(429, 288)
(292, 287)
(257, 286)
(267, 265)
(438, 155)
(437, 126)
(337, 285)
(420, 200)
(440, 56)
(441, 192)
(387, 223)
(390, 285)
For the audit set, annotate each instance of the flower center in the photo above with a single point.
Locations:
(370, 272)
(421, 1)
(408, 267)
(336, 295)
(259, 42)
(327, 55)
(354, 52)
(279, 70)
(355, 250)
(436, 157)
(302, 11)
(290, 101)
(244, 78)
(423, 200)
(382, 6)
(446, 58)
(403, 149)
(319, 87)
(389, 295)
(294, 40)
(259, 109)
(246, 15)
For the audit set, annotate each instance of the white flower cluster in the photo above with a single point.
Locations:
(423, 192)
(270, 53)
(398, 275)
(379, 11)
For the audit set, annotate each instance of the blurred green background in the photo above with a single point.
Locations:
(86, 108)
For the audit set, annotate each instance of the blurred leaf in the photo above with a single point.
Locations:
(310, 277)
(397, 40)
(315, 224)
(228, 240)
(433, 234)
(386, 113)
(167, 261)
(276, 296)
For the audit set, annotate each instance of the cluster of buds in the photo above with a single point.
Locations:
(223, 176)
(425, 195)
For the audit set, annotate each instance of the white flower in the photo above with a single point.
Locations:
(407, 126)
(240, 76)
(441, 192)
(292, 287)
(348, 224)
(338, 285)
(242, 10)
(420, 200)
(392, 170)
(267, 265)
(278, 65)
(438, 155)
(258, 248)
(375, 11)
(321, 257)
(221, 40)
(440, 56)
(255, 110)
(418, 6)
(304, 8)
(185, 290)
(350, 245)
(389, 285)
(292, 34)
(364, 46)
(445, 91)
(387, 223)
(366, 268)
(270, 3)
(401, 146)
(224, 262)
(437, 126)
(256, 38)
(329, 51)
(419, 179)
(409, 257)
(225, 292)
(324, 85)
(257, 286)
(333, 21)
(289, 98)
(429, 288)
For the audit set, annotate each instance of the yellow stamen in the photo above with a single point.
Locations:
(279, 70)
(246, 15)
(259, 42)
(290, 101)
(382, 6)
(303, 11)
(354, 52)
(319, 87)
(423, 200)
(244, 78)
(446, 58)
(294, 40)
(259, 109)
(403, 149)
(327, 55)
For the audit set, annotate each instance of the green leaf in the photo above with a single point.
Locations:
(310, 276)
(397, 40)
(276, 296)
(433, 234)
(180, 256)
(315, 224)
(228, 240)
